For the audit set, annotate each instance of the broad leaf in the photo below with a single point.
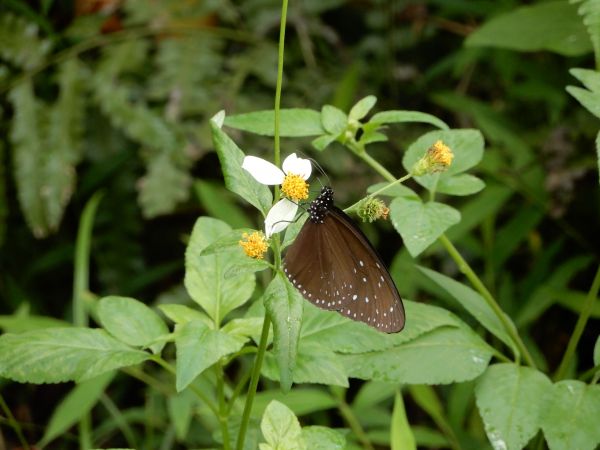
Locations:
(474, 304)
(445, 355)
(407, 116)
(206, 277)
(362, 107)
(237, 179)
(551, 25)
(330, 329)
(183, 314)
(198, 348)
(132, 322)
(294, 122)
(570, 416)
(301, 400)
(284, 304)
(323, 438)
(76, 404)
(180, 407)
(56, 355)
(463, 184)
(281, 429)
(420, 224)
(510, 400)
(314, 364)
(333, 119)
(597, 352)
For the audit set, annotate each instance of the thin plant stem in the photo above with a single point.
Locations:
(378, 191)
(487, 296)
(220, 375)
(81, 278)
(14, 424)
(121, 422)
(275, 245)
(584, 316)
(353, 422)
(254, 382)
(169, 368)
(359, 150)
(238, 389)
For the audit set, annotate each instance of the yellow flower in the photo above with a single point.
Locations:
(254, 244)
(437, 159)
(294, 187)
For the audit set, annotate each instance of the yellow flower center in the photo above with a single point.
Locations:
(440, 154)
(254, 244)
(294, 187)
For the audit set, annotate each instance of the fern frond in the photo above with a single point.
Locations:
(20, 43)
(28, 155)
(590, 11)
(64, 140)
(187, 66)
(165, 185)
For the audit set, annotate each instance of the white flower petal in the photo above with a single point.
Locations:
(280, 216)
(297, 166)
(263, 171)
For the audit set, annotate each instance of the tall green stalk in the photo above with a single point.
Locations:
(275, 245)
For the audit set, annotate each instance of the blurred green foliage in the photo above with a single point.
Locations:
(115, 97)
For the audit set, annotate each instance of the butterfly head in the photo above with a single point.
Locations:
(320, 206)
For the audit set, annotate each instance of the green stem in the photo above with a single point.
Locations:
(254, 382)
(277, 149)
(81, 278)
(378, 191)
(169, 368)
(586, 311)
(121, 421)
(220, 375)
(14, 424)
(352, 420)
(81, 273)
(480, 287)
(359, 150)
(238, 389)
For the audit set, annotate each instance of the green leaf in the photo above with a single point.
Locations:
(570, 416)
(76, 404)
(18, 323)
(322, 142)
(598, 154)
(244, 327)
(323, 438)
(420, 224)
(284, 304)
(132, 322)
(362, 107)
(281, 428)
(597, 352)
(180, 407)
(589, 78)
(228, 241)
(552, 25)
(331, 330)
(463, 184)
(371, 393)
(334, 120)
(314, 364)
(510, 400)
(402, 437)
(219, 203)
(301, 401)
(183, 314)
(294, 122)
(399, 116)
(198, 348)
(56, 355)
(467, 146)
(590, 13)
(589, 99)
(21, 44)
(475, 305)
(445, 355)
(237, 179)
(205, 276)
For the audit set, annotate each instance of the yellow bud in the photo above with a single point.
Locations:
(254, 244)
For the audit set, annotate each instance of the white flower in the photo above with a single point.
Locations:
(280, 216)
(293, 185)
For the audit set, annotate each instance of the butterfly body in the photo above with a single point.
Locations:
(334, 266)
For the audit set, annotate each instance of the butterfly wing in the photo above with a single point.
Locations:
(339, 269)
